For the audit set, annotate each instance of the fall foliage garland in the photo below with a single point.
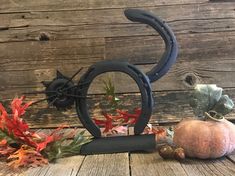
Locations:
(25, 148)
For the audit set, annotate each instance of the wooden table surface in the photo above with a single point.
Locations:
(135, 164)
(127, 164)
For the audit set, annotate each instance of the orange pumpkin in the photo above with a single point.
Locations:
(205, 139)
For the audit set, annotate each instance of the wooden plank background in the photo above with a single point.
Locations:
(39, 37)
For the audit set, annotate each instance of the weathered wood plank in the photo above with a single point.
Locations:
(79, 52)
(221, 166)
(195, 47)
(39, 61)
(111, 15)
(53, 5)
(183, 75)
(66, 166)
(27, 32)
(41, 55)
(205, 17)
(205, 32)
(105, 164)
(169, 106)
(153, 164)
(142, 49)
(232, 157)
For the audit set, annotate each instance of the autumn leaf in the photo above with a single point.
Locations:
(122, 118)
(150, 129)
(13, 126)
(26, 156)
(107, 123)
(63, 147)
(129, 117)
(18, 107)
(55, 135)
(25, 148)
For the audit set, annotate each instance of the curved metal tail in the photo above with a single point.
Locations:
(167, 35)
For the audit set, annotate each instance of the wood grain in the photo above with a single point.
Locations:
(31, 67)
(218, 167)
(18, 6)
(37, 38)
(127, 164)
(106, 164)
(110, 22)
(66, 166)
(153, 164)
(170, 106)
(232, 157)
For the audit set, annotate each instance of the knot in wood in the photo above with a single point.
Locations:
(44, 36)
(190, 80)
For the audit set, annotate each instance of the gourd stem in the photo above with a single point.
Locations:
(213, 115)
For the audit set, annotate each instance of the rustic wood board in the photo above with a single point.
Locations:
(127, 164)
(106, 164)
(232, 157)
(52, 5)
(74, 50)
(153, 164)
(221, 166)
(118, 164)
(74, 17)
(24, 69)
(67, 166)
(38, 38)
(169, 106)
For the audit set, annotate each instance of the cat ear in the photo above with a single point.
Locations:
(59, 74)
(46, 83)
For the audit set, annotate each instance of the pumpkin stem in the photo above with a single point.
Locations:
(213, 115)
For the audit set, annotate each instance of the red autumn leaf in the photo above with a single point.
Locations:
(43, 145)
(14, 124)
(107, 123)
(54, 136)
(18, 107)
(160, 132)
(128, 117)
(26, 156)
(3, 117)
(124, 116)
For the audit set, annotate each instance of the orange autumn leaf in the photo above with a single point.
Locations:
(3, 142)
(26, 156)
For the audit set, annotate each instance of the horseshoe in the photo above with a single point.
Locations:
(142, 80)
